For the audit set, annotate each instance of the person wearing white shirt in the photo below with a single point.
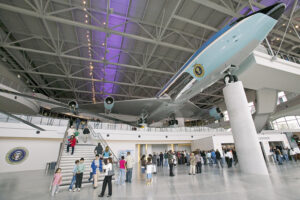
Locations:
(149, 170)
(107, 179)
(229, 155)
(129, 165)
(71, 131)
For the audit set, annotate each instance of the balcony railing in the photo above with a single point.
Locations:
(37, 120)
(125, 127)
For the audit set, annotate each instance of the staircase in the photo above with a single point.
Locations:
(66, 161)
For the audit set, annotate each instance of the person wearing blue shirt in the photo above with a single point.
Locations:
(97, 168)
(74, 175)
(106, 153)
(213, 156)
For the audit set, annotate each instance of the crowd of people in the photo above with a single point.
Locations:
(73, 135)
(195, 160)
(281, 155)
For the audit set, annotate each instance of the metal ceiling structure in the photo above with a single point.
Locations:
(88, 49)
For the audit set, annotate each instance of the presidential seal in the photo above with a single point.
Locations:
(16, 155)
(198, 70)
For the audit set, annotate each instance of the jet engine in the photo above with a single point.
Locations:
(73, 105)
(109, 104)
(216, 113)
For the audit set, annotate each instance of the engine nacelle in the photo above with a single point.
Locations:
(109, 104)
(73, 105)
(216, 113)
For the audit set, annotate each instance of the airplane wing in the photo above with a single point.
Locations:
(128, 107)
(185, 110)
(190, 110)
(63, 106)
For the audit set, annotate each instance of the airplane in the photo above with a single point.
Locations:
(218, 58)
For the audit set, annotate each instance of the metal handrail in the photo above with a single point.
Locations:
(61, 150)
(102, 141)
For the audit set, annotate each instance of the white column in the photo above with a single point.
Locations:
(244, 133)
(180, 122)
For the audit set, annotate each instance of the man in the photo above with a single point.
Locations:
(171, 162)
(77, 123)
(198, 163)
(97, 168)
(218, 159)
(79, 174)
(154, 162)
(86, 133)
(161, 159)
(98, 149)
(166, 157)
(213, 156)
(129, 165)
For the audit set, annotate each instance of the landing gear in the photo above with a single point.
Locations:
(228, 78)
(173, 122)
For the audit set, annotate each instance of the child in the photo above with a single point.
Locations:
(74, 175)
(149, 170)
(79, 174)
(72, 143)
(56, 181)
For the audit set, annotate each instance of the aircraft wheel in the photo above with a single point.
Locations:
(235, 78)
(228, 79)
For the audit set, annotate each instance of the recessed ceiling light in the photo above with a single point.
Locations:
(104, 23)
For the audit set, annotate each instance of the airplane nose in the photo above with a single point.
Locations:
(275, 11)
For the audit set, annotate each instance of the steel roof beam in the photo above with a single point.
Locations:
(90, 27)
(86, 79)
(83, 58)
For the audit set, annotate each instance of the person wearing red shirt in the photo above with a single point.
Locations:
(72, 143)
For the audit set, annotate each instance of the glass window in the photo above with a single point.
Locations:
(280, 119)
(288, 118)
(275, 126)
(282, 125)
(293, 124)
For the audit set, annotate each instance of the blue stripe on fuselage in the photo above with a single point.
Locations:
(206, 44)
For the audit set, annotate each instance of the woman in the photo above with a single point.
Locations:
(121, 179)
(192, 164)
(107, 179)
(72, 143)
(143, 163)
(106, 153)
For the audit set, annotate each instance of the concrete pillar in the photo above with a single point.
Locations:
(244, 133)
(180, 122)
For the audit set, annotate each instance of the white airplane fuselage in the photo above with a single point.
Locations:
(230, 46)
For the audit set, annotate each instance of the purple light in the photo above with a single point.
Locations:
(112, 41)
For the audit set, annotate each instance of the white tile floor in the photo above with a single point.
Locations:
(212, 184)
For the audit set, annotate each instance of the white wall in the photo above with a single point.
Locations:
(203, 144)
(40, 152)
(42, 147)
(157, 148)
